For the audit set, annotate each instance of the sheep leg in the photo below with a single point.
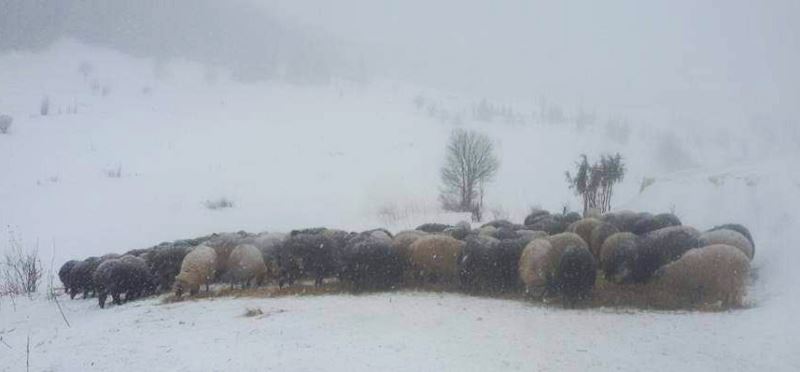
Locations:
(101, 299)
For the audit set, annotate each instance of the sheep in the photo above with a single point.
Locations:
(245, 265)
(584, 228)
(553, 224)
(315, 254)
(435, 258)
(506, 263)
(403, 240)
(165, 263)
(108, 278)
(613, 255)
(433, 227)
(624, 220)
(270, 246)
(369, 262)
(223, 244)
(534, 216)
(728, 237)
(599, 235)
(654, 250)
(740, 229)
(647, 223)
(536, 267)
(198, 268)
(711, 275)
(142, 281)
(81, 277)
(64, 274)
(539, 262)
(460, 231)
(576, 274)
(477, 263)
(126, 275)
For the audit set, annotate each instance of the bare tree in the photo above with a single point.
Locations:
(595, 183)
(469, 166)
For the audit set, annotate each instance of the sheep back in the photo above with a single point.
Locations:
(730, 237)
(584, 228)
(198, 267)
(576, 274)
(370, 262)
(245, 264)
(711, 275)
(435, 257)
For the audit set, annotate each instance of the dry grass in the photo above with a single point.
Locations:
(251, 312)
(606, 295)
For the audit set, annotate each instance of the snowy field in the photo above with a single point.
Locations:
(351, 156)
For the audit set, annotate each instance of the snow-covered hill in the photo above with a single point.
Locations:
(132, 151)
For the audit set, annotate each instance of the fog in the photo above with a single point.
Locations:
(675, 62)
(709, 62)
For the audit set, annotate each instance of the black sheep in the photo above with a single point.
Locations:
(369, 263)
(553, 223)
(116, 277)
(488, 264)
(656, 249)
(81, 277)
(576, 275)
(64, 274)
(535, 216)
(316, 253)
(143, 281)
(165, 263)
(477, 263)
(648, 223)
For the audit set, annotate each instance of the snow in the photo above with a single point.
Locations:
(351, 156)
(389, 331)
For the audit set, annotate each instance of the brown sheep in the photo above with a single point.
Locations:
(435, 258)
(245, 264)
(197, 268)
(617, 247)
(712, 275)
(728, 237)
(403, 240)
(537, 266)
(599, 235)
(584, 228)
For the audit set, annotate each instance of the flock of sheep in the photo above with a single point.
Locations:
(549, 256)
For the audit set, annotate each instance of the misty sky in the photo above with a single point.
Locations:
(708, 60)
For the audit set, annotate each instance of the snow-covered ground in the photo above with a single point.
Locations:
(390, 331)
(350, 156)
